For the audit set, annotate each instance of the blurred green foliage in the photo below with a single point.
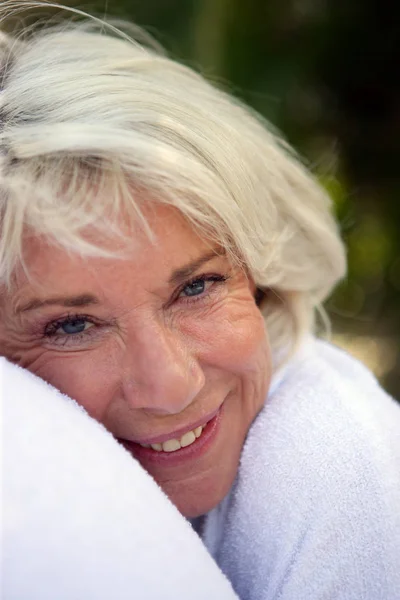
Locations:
(326, 73)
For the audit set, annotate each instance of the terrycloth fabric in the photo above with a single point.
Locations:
(315, 511)
(81, 519)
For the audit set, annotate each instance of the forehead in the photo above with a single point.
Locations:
(50, 268)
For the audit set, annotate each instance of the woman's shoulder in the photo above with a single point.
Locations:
(332, 395)
(314, 510)
(329, 417)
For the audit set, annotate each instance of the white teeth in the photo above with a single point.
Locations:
(157, 447)
(172, 445)
(188, 439)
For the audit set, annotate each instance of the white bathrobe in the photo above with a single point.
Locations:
(81, 520)
(314, 513)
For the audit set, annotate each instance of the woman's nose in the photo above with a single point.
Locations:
(161, 375)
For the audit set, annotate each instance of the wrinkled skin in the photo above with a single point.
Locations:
(146, 355)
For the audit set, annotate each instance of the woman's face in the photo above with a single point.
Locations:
(154, 346)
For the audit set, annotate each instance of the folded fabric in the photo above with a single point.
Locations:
(81, 519)
(314, 513)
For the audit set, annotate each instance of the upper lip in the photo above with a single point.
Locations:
(177, 433)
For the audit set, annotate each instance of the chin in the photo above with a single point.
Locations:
(193, 507)
(193, 500)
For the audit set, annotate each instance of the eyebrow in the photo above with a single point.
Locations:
(177, 277)
(69, 301)
(183, 273)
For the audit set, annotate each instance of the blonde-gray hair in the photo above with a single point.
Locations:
(90, 119)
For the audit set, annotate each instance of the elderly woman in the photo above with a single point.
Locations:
(162, 258)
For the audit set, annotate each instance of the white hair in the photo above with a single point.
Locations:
(91, 118)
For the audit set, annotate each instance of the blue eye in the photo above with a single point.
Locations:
(195, 288)
(72, 330)
(74, 326)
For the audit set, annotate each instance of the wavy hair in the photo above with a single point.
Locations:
(91, 118)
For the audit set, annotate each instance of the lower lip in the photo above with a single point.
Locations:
(192, 452)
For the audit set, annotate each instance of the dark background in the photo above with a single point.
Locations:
(326, 73)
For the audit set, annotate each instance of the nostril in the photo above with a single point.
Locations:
(167, 390)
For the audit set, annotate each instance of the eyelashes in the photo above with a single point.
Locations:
(73, 329)
(81, 327)
(75, 323)
(195, 289)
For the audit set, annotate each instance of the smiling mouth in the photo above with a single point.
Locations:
(174, 444)
(187, 439)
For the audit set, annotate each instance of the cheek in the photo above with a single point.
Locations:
(234, 339)
(89, 378)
